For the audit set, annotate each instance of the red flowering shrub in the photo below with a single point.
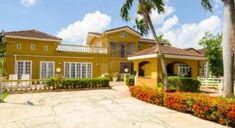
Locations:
(203, 106)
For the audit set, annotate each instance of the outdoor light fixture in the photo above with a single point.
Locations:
(58, 70)
(126, 70)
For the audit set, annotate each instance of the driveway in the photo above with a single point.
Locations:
(109, 108)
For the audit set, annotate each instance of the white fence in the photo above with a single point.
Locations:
(214, 82)
(23, 85)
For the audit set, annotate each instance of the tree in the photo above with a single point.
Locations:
(213, 47)
(163, 40)
(144, 24)
(227, 43)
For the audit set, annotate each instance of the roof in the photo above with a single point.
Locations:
(95, 33)
(114, 29)
(202, 51)
(169, 50)
(32, 34)
(147, 40)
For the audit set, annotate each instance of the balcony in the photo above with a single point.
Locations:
(81, 49)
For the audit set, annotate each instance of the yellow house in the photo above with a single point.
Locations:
(42, 55)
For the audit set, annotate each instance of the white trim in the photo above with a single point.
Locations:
(123, 29)
(184, 57)
(166, 56)
(31, 66)
(90, 34)
(47, 62)
(142, 57)
(32, 38)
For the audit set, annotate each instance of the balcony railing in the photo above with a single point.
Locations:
(81, 49)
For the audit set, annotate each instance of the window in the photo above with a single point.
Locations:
(113, 45)
(47, 69)
(18, 45)
(77, 70)
(23, 67)
(45, 47)
(184, 70)
(33, 46)
(132, 49)
(123, 35)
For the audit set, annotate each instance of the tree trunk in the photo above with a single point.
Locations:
(160, 53)
(227, 47)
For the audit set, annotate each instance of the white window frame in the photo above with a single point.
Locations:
(24, 61)
(79, 75)
(18, 45)
(47, 62)
(33, 46)
(182, 68)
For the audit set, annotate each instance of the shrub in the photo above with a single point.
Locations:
(185, 84)
(78, 83)
(52, 82)
(131, 80)
(215, 109)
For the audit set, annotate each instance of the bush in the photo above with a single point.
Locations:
(215, 109)
(184, 84)
(78, 83)
(131, 80)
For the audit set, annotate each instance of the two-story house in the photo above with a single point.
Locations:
(42, 55)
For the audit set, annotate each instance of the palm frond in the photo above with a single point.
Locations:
(207, 4)
(141, 25)
(125, 9)
(158, 4)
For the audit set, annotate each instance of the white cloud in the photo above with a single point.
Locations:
(169, 23)
(91, 22)
(28, 3)
(188, 35)
(159, 18)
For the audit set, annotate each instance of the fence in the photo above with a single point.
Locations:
(210, 82)
(23, 85)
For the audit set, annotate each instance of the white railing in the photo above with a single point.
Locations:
(23, 85)
(210, 81)
(81, 48)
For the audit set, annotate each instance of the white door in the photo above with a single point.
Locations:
(47, 69)
(23, 67)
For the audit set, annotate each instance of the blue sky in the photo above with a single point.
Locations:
(183, 22)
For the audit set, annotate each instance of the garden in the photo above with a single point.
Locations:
(184, 96)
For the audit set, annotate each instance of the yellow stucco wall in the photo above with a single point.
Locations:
(154, 71)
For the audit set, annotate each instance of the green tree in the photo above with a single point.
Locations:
(163, 40)
(2, 44)
(213, 47)
(144, 24)
(227, 43)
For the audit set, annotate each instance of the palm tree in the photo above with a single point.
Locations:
(145, 8)
(227, 42)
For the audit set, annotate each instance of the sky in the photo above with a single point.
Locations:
(183, 23)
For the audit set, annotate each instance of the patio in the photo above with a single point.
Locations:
(111, 108)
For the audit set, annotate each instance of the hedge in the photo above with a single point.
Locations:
(203, 106)
(184, 84)
(77, 82)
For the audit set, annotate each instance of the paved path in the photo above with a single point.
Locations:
(91, 109)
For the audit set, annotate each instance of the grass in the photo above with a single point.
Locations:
(3, 96)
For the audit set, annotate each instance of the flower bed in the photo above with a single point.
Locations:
(210, 108)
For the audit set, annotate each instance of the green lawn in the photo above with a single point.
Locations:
(3, 96)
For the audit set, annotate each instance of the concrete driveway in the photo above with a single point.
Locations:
(112, 108)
